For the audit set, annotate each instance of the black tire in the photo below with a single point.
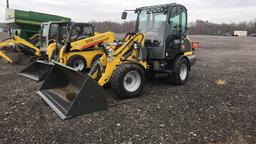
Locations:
(74, 60)
(176, 77)
(118, 82)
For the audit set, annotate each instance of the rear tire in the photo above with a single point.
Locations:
(77, 62)
(128, 80)
(180, 71)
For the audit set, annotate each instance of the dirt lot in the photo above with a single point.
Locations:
(217, 105)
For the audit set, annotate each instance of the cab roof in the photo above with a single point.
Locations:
(162, 7)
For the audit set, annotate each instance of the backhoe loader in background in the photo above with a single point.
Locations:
(77, 46)
(36, 46)
(17, 44)
(158, 46)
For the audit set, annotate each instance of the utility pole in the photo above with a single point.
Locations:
(7, 3)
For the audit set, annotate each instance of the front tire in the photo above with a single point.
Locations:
(128, 80)
(180, 71)
(78, 63)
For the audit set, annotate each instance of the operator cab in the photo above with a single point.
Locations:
(51, 32)
(164, 28)
(80, 31)
(77, 32)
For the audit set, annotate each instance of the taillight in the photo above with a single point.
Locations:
(195, 45)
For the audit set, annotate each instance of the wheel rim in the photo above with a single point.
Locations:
(132, 81)
(78, 65)
(183, 71)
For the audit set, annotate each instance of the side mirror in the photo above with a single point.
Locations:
(124, 15)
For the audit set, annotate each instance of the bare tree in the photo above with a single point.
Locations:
(209, 28)
(199, 27)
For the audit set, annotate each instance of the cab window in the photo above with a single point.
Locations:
(178, 20)
(80, 32)
(54, 31)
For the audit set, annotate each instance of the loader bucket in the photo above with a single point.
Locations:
(38, 70)
(70, 93)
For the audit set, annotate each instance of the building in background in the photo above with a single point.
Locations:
(241, 33)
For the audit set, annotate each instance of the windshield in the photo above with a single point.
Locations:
(152, 25)
(62, 33)
(44, 30)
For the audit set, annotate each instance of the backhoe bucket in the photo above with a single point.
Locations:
(38, 70)
(70, 93)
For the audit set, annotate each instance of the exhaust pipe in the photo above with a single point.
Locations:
(37, 71)
(70, 93)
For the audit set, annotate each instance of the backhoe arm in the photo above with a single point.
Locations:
(5, 57)
(18, 40)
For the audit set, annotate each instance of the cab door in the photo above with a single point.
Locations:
(176, 31)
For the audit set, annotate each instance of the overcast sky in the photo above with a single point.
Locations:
(218, 11)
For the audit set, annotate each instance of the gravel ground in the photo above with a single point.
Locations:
(217, 105)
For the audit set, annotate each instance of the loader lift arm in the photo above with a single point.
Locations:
(110, 61)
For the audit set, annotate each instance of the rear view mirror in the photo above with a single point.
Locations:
(124, 15)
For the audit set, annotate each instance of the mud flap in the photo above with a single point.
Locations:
(70, 93)
(38, 70)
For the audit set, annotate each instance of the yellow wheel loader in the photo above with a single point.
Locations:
(36, 45)
(77, 47)
(158, 46)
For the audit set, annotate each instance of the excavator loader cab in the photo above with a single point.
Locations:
(50, 34)
(158, 45)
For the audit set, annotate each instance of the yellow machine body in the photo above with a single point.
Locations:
(83, 47)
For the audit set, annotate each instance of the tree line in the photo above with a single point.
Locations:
(114, 26)
(199, 27)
